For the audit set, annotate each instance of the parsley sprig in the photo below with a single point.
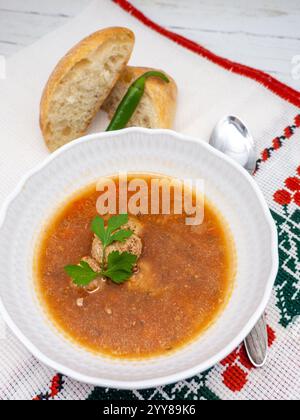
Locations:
(82, 274)
(117, 266)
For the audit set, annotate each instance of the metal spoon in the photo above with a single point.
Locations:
(232, 137)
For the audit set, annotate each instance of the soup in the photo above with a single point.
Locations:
(182, 280)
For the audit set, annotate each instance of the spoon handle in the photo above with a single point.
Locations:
(257, 344)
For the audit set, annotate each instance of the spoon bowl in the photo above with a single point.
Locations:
(232, 137)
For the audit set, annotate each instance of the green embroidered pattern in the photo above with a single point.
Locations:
(191, 389)
(287, 284)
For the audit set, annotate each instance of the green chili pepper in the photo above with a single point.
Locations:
(131, 100)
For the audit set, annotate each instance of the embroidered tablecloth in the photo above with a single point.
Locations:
(209, 88)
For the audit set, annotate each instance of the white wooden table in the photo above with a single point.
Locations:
(261, 33)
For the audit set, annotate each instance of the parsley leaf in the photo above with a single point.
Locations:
(82, 274)
(121, 236)
(99, 229)
(107, 236)
(120, 266)
(116, 222)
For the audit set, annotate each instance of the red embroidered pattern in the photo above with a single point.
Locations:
(291, 193)
(278, 142)
(238, 366)
(55, 388)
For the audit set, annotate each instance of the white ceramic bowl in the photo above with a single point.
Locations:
(228, 186)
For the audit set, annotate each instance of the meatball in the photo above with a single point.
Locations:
(144, 282)
(97, 284)
(92, 263)
(134, 225)
(133, 245)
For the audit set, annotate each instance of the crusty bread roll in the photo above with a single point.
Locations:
(80, 84)
(158, 106)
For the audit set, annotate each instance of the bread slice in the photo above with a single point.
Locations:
(81, 82)
(158, 106)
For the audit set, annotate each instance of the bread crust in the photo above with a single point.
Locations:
(163, 95)
(75, 55)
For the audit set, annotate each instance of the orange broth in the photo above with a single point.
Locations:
(185, 279)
